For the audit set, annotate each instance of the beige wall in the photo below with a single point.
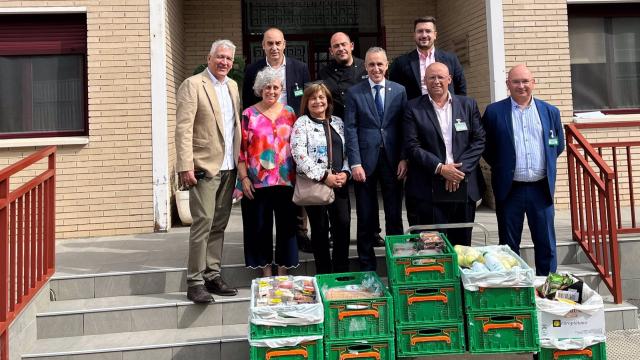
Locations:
(536, 33)
(206, 21)
(105, 187)
(175, 74)
(398, 22)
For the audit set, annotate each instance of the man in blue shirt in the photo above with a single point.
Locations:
(524, 139)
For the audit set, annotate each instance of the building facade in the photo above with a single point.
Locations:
(116, 159)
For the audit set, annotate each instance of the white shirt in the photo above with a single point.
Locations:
(444, 115)
(425, 61)
(226, 107)
(282, 71)
(373, 91)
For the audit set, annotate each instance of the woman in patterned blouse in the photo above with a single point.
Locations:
(310, 152)
(266, 172)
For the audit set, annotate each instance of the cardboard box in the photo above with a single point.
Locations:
(575, 324)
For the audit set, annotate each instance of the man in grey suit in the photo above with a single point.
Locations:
(207, 148)
(373, 132)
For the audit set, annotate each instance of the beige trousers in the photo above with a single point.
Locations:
(210, 204)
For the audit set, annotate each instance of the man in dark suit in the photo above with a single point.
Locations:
(409, 69)
(524, 140)
(373, 133)
(294, 74)
(443, 141)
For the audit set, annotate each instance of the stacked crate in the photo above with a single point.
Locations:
(502, 319)
(428, 301)
(357, 328)
(291, 341)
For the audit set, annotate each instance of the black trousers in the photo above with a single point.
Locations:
(428, 213)
(367, 209)
(337, 217)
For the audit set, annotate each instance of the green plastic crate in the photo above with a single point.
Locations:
(411, 270)
(593, 352)
(266, 332)
(499, 299)
(506, 331)
(355, 319)
(311, 350)
(371, 349)
(430, 339)
(428, 303)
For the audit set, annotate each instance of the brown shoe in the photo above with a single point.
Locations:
(219, 287)
(199, 294)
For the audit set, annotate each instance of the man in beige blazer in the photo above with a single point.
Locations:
(207, 145)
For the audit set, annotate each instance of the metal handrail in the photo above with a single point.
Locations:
(27, 238)
(451, 226)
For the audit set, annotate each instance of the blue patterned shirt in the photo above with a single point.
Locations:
(529, 143)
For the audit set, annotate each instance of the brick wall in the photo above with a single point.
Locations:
(105, 187)
(536, 33)
(206, 21)
(460, 19)
(175, 74)
(398, 22)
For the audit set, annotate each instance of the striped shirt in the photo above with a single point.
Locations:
(529, 143)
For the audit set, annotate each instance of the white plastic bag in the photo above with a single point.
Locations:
(285, 341)
(521, 276)
(571, 344)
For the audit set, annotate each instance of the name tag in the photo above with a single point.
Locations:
(553, 141)
(460, 126)
(297, 92)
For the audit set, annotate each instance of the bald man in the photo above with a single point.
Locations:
(524, 141)
(294, 74)
(444, 141)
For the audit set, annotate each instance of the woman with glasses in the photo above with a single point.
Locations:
(310, 150)
(266, 173)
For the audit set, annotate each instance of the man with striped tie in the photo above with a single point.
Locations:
(524, 140)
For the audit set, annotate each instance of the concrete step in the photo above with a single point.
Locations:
(139, 313)
(172, 279)
(227, 342)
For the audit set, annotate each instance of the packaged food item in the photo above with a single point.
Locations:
(467, 255)
(493, 262)
(561, 287)
(428, 243)
(367, 289)
(284, 290)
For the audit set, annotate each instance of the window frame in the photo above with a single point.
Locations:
(606, 12)
(33, 44)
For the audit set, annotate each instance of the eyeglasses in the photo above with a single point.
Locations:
(521, 82)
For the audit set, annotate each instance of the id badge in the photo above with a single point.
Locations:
(460, 126)
(297, 92)
(553, 141)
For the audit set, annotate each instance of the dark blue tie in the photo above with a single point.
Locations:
(378, 100)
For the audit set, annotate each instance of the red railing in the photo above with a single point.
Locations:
(602, 197)
(27, 237)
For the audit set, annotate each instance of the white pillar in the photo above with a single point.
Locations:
(495, 37)
(159, 135)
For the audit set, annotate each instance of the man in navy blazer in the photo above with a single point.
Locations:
(373, 136)
(409, 69)
(524, 140)
(444, 141)
(294, 75)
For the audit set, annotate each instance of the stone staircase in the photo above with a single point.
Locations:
(105, 306)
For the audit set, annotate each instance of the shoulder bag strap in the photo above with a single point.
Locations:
(330, 146)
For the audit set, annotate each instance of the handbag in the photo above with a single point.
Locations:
(311, 192)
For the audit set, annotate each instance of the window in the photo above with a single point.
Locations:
(604, 41)
(43, 87)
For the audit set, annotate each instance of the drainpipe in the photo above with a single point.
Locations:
(495, 37)
(157, 13)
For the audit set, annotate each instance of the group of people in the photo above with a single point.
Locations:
(415, 134)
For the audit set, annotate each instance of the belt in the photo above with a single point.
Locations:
(544, 179)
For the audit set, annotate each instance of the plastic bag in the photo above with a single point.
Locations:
(283, 314)
(520, 275)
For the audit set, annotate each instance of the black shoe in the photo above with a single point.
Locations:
(378, 241)
(219, 287)
(199, 294)
(304, 243)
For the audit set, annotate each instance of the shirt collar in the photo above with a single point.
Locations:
(284, 63)
(514, 104)
(372, 84)
(424, 56)
(215, 80)
(435, 104)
